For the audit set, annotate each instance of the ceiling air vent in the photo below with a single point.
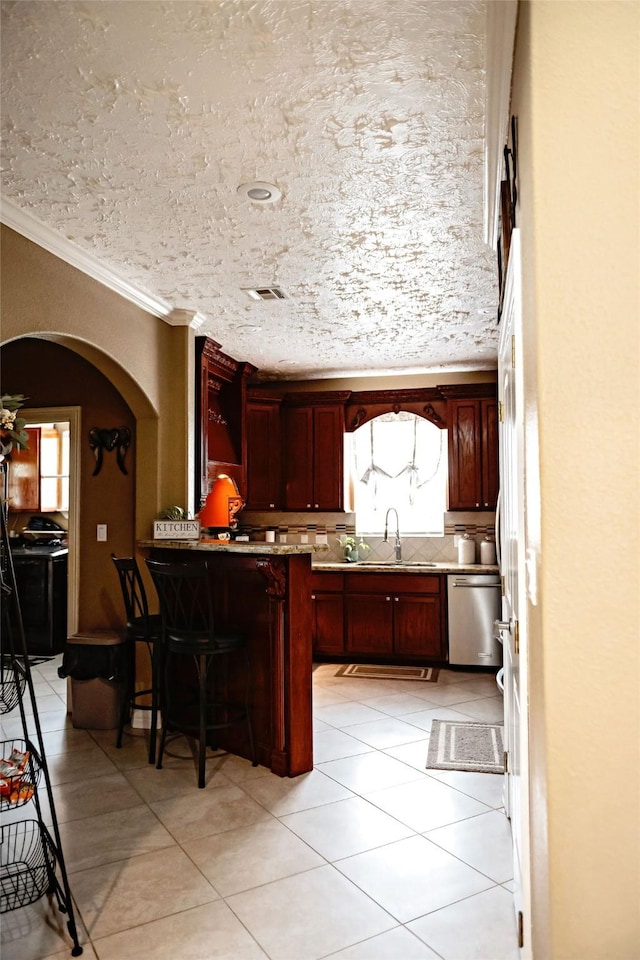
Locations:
(265, 293)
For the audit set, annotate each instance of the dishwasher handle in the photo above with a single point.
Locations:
(476, 586)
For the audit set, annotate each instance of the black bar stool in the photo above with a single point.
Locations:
(142, 627)
(186, 607)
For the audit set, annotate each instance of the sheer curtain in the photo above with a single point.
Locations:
(400, 460)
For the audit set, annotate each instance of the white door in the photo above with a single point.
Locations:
(511, 538)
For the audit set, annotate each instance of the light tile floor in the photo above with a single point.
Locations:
(368, 857)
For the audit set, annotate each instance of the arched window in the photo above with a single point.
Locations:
(399, 460)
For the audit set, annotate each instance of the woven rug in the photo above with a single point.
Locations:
(377, 672)
(470, 746)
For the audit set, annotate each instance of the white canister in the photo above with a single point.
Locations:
(488, 551)
(466, 549)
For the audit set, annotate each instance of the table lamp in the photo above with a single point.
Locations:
(218, 515)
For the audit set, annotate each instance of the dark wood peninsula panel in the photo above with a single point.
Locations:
(266, 595)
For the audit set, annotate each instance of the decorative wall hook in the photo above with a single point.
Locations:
(101, 439)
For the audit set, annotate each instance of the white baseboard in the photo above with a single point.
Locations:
(141, 719)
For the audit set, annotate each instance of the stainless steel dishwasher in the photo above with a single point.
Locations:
(473, 602)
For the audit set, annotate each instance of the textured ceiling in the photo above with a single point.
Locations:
(128, 127)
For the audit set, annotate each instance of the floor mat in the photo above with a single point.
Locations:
(379, 672)
(473, 746)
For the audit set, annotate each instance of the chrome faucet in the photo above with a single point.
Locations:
(398, 544)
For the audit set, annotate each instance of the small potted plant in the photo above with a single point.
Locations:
(353, 549)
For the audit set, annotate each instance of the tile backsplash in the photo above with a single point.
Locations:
(326, 528)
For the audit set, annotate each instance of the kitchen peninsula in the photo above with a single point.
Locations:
(264, 590)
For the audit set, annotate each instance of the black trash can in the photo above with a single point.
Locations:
(94, 662)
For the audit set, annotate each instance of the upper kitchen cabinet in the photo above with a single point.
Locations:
(313, 459)
(264, 453)
(221, 385)
(473, 449)
(24, 475)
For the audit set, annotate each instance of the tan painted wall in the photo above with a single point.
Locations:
(576, 98)
(145, 358)
(50, 375)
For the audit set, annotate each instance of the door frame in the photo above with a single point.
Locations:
(513, 572)
(72, 416)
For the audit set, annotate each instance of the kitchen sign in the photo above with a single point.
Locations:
(176, 529)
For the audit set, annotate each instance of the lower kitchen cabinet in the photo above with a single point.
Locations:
(379, 617)
(394, 617)
(41, 585)
(327, 605)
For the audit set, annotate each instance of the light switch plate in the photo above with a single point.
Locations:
(101, 532)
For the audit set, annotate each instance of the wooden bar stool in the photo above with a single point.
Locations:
(141, 627)
(186, 607)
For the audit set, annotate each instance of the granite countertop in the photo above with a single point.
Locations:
(261, 548)
(405, 566)
(234, 546)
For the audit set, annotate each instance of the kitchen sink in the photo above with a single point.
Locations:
(399, 563)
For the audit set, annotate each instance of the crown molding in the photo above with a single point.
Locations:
(502, 17)
(33, 229)
(180, 317)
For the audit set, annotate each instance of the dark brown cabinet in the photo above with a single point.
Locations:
(327, 610)
(314, 453)
(41, 585)
(473, 453)
(221, 384)
(264, 454)
(24, 476)
(394, 617)
(379, 617)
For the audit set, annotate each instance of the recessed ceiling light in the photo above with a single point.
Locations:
(260, 192)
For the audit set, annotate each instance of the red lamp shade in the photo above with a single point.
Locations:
(222, 504)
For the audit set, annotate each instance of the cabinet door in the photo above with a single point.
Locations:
(489, 417)
(370, 624)
(41, 584)
(263, 455)
(328, 623)
(298, 458)
(328, 457)
(24, 475)
(465, 461)
(417, 626)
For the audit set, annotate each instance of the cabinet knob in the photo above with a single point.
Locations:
(308, 506)
(388, 598)
(396, 599)
(272, 505)
(313, 596)
(477, 504)
(316, 505)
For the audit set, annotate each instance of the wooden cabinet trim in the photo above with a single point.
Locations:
(333, 582)
(393, 583)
